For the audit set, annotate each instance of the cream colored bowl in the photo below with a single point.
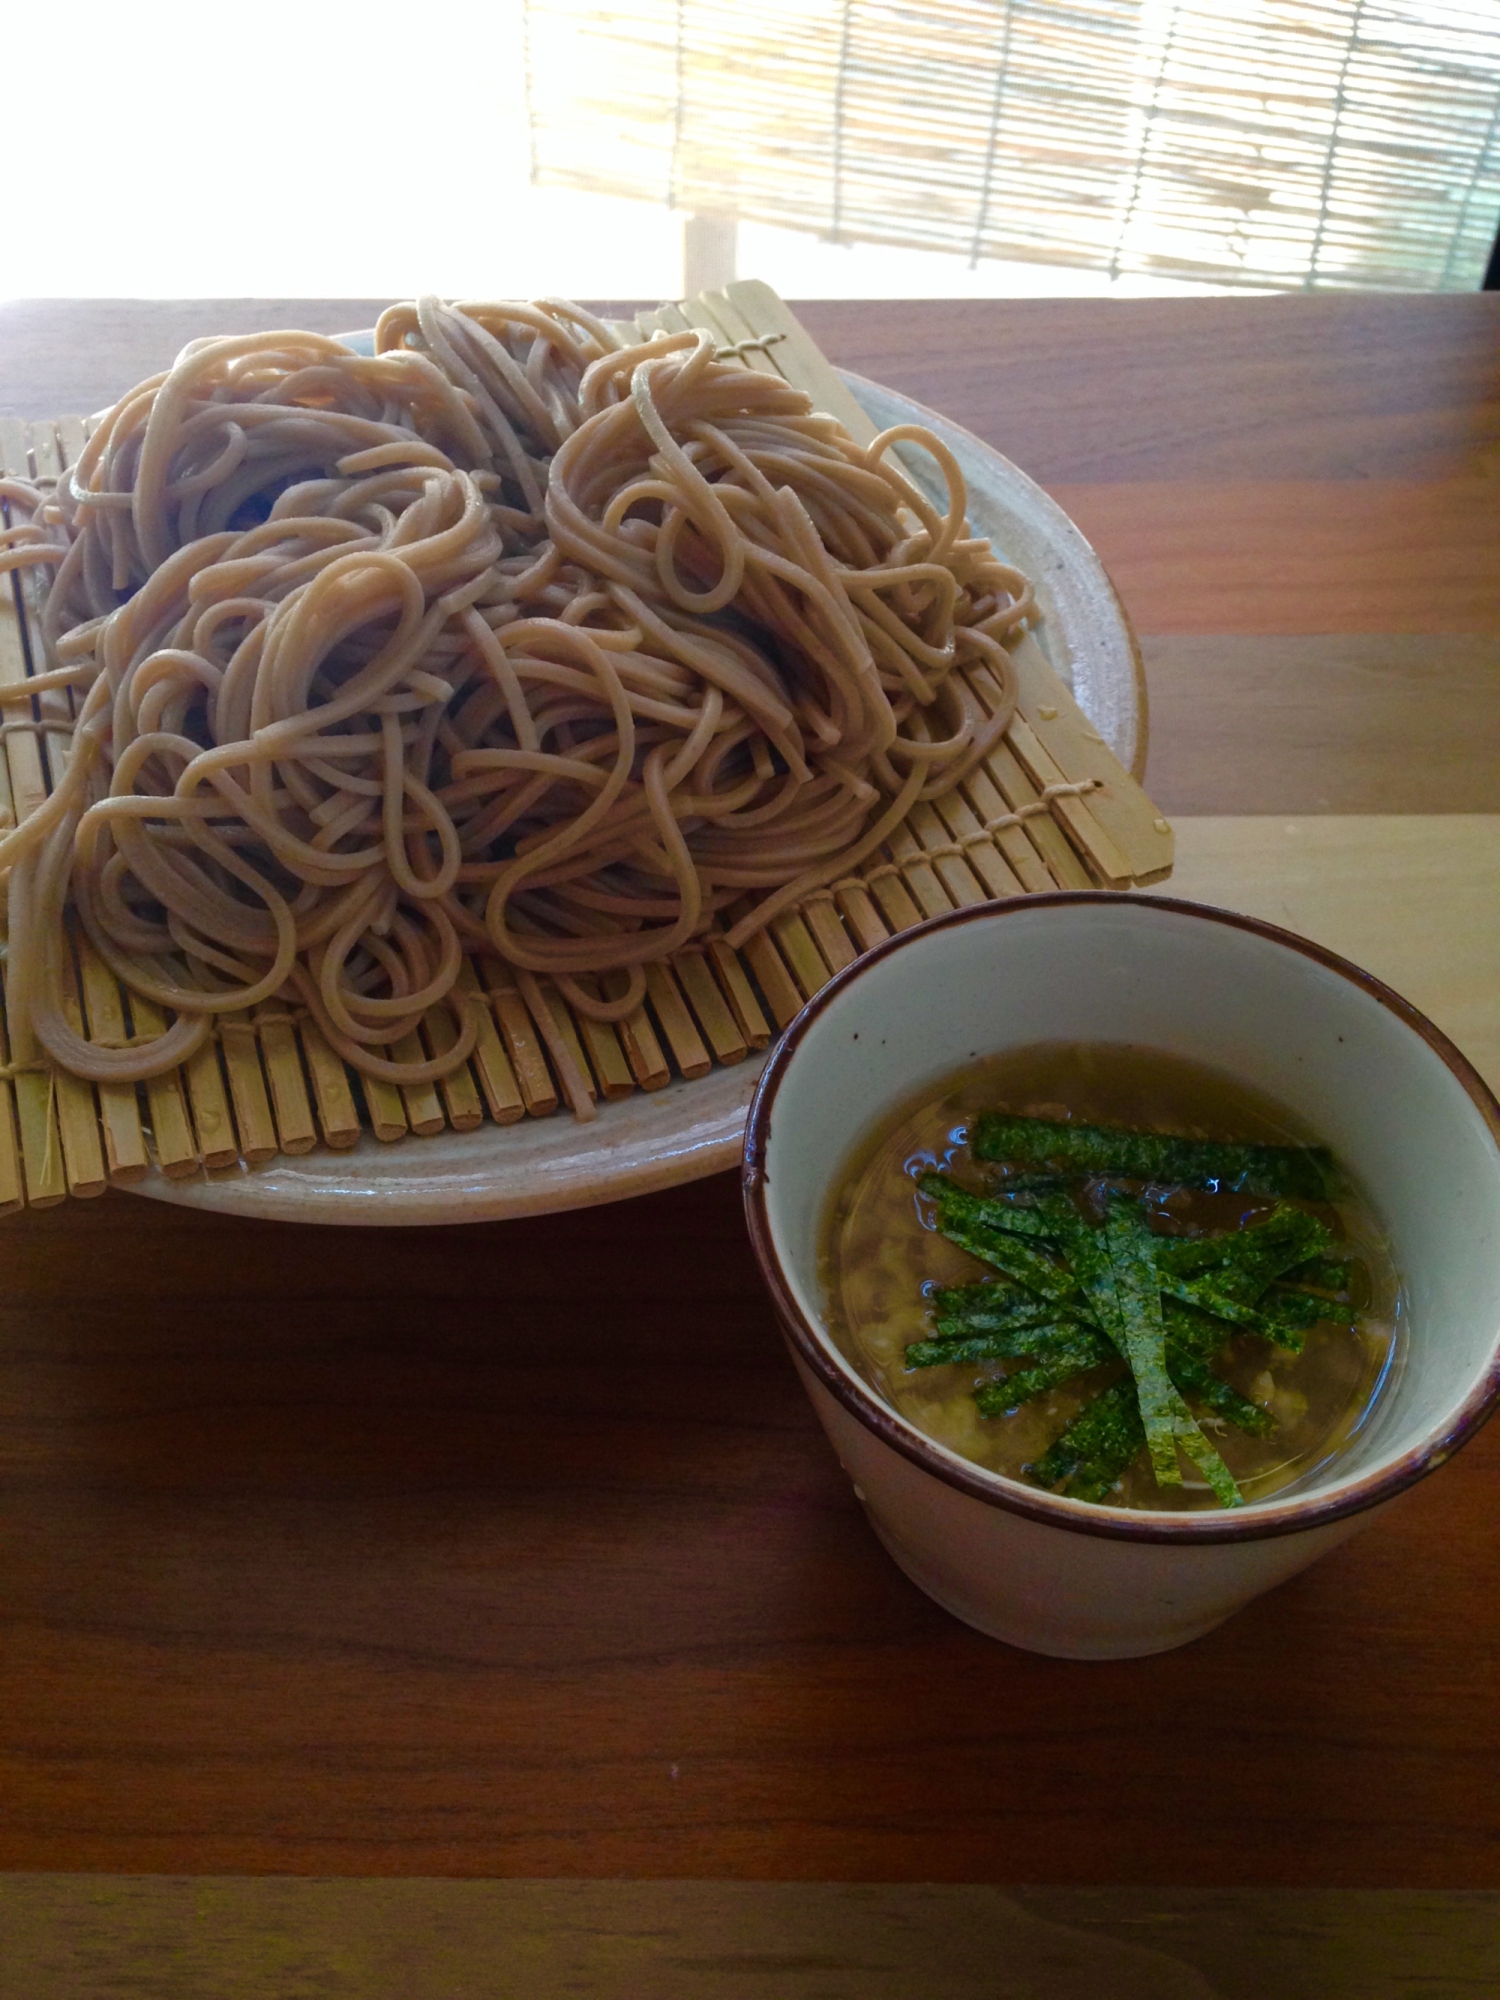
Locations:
(656, 1140)
(1399, 1105)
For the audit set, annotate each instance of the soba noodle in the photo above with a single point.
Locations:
(508, 638)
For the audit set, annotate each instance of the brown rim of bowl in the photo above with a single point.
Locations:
(1082, 1517)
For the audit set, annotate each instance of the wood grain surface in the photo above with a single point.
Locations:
(516, 1550)
(1334, 723)
(93, 1938)
(1413, 898)
(1079, 392)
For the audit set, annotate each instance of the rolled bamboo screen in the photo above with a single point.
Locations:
(1274, 143)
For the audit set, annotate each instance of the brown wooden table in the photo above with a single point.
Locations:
(514, 1551)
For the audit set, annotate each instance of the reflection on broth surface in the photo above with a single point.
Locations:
(1272, 1415)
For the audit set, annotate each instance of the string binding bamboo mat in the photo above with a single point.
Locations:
(1051, 808)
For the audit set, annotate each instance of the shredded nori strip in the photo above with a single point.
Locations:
(1011, 1255)
(1194, 1330)
(1322, 1274)
(1170, 1424)
(1248, 1258)
(1027, 1182)
(1012, 1342)
(1304, 1172)
(1074, 1297)
(1282, 1319)
(976, 1211)
(1194, 1377)
(1073, 1351)
(1090, 1455)
(985, 1307)
(1128, 1323)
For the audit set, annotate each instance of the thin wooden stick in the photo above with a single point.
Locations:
(643, 1051)
(775, 982)
(12, 1181)
(247, 1088)
(338, 1115)
(45, 455)
(1014, 842)
(886, 883)
(28, 776)
(955, 871)
(861, 918)
(607, 1058)
(171, 1127)
(424, 1108)
(709, 1008)
(919, 875)
(72, 436)
(78, 1118)
(808, 966)
(553, 1024)
(739, 993)
(41, 1148)
(1118, 806)
(289, 1100)
(677, 1024)
(15, 455)
(566, 1035)
(386, 1107)
(459, 1090)
(519, 1034)
(1107, 861)
(821, 915)
(1018, 791)
(984, 857)
(496, 1077)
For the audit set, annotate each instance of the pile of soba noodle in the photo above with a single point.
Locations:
(509, 638)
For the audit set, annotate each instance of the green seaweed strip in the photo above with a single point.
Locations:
(1089, 1456)
(1061, 1361)
(1283, 1320)
(1009, 1343)
(1194, 1331)
(1009, 1333)
(1137, 1288)
(1004, 1327)
(1321, 1274)
(1294, 1312)
(1209, 1463)
(1248, 1259)
(976, 1211)
(1304, 1172)
(1194, 1377)
(985, 1304)
(1041, 1182)
(1128, 1320)
(1009, 1254)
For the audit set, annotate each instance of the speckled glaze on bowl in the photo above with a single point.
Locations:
(658, 1139)
(1401, 1107)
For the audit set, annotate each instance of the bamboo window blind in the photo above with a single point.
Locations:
(1269, 143)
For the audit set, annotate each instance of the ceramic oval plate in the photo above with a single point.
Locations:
(656, 1139)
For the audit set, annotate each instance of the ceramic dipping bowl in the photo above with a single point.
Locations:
(1400, 1106)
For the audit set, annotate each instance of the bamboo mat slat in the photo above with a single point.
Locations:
(269, 1083)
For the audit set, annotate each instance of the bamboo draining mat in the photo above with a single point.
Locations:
(1051, 808)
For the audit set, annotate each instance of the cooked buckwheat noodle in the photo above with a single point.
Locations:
(509, 639)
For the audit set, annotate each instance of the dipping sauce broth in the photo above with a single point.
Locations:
(884, 1260)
